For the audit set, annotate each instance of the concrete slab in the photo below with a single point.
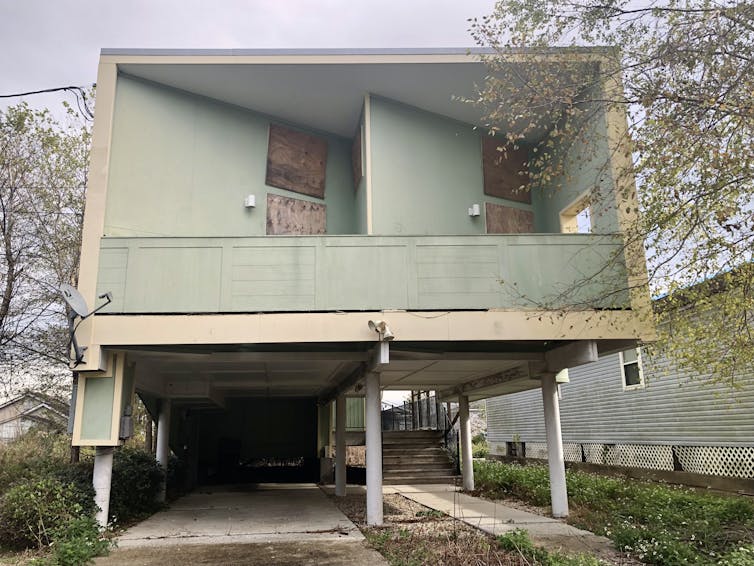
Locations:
(263, 513)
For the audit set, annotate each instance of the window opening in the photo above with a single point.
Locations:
(633, 377)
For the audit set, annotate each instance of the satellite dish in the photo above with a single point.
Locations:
(74, 300)
(79, 309)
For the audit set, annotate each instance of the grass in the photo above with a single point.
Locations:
(656, 523)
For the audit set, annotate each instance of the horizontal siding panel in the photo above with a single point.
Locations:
(162, 274)
(595, 408)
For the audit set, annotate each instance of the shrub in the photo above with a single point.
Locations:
(31, 510)
(136, 480)
(479, 449)
(38, 453)
(77, 542)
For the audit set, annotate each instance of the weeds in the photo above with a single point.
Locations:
(518, 540)
(659, 524)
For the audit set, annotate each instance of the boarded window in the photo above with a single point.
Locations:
(508, 220)
(506, 171)
(296, 161)
(294, 216)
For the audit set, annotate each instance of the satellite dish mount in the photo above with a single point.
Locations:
(77, 308)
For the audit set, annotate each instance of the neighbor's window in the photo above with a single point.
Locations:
(630, 361)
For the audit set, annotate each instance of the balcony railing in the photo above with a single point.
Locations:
(357, 273)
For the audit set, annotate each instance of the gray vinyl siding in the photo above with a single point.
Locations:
(671, 409)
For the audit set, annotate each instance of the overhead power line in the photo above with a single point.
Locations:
(78, 91)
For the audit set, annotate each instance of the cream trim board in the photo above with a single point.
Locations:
(626, 201)
(597, 55)
(96, 192)
(295, 59)
(287, 328)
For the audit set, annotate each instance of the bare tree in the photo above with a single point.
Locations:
(682, 71)
(43, 170)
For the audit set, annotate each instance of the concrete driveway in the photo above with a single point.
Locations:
(263, 524)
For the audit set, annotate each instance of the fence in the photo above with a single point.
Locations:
(724, 461)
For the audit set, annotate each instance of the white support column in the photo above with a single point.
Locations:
(467, 462)
(102, 479)
(340, 445)
(558, 493)
(163, 442)
(373, 424)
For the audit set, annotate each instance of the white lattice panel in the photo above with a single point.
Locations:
(605, 454)
(572, 452)
(644, 456)
(729, 461)
(536, 450)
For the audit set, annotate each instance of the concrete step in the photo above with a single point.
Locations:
(416, 450)
(411, 437)
(446, 471)
(415, 460)
(412, 445)
(418, 468)
(412, 433)
(424, 478)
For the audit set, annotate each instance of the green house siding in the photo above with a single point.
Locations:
(586, 168)
(328, 273)
(426, 172)
(181, 165)
(96, 421)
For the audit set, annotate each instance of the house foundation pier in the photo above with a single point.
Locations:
(163, 443)
(467, 463)
(373, 424)
(340, 445)
(102, 479)
(558, 493)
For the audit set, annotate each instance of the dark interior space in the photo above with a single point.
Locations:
(255, 440)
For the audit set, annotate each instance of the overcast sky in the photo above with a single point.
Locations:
(51, 43)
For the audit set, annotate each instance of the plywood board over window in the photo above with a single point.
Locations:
(505, 170)
(508, 220)
(296, 161)
(294, 216)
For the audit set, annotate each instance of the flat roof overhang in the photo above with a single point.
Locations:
(322, 89)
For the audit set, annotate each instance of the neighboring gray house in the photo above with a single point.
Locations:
(29, 410)
(631, 409)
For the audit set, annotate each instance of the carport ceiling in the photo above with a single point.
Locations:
(193, 374)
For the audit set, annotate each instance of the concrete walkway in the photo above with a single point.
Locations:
(496, 518)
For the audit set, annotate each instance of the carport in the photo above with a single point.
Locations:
(255, 413)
